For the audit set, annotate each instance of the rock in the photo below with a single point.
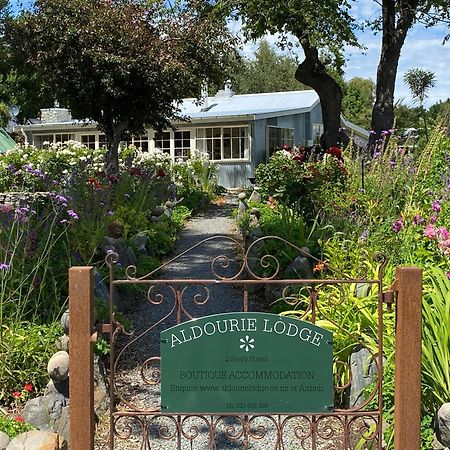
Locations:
(38, 440)
(255, 197)
(101, 389)
(62, 343)
(4, 440)
(65, 321)
(116, 229)
(58, 366)
(126, 254)
(363, 373)
(45, 412)
(57, 388)
(443, 424)
(242, 196)
(255, 212)
(63, 428)
(158, 211)
(140, 242)
(436, 445)
(100, 288)
(301, 268)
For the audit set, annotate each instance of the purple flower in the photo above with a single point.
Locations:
(385, 133)
(73, 214)
(364, 235)
(110, 213)
(433, 219)
(436, 206)
(372, 132)
(11, 168)
(37, 280)
(61, 199)
(392, 163)
(397, 225)
(64, 221)
(418, 219)
(4, 266)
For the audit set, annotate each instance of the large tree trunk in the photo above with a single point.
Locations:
(394, 35)
(313, 73)
(113, 136)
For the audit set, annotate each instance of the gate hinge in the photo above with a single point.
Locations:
(389, 298)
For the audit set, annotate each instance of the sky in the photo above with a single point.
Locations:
(422, 49)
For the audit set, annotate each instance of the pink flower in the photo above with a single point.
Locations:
(443, 233)
(430, 231)
(6, 208)
(448, 275)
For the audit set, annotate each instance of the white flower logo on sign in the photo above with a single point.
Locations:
(247, 343)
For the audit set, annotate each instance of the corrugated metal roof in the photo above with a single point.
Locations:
(251, 104)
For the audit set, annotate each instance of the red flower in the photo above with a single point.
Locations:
(17, 394)
(20, 419)
(335, 151)
(161, 173)
(28, 387)
(135, 171)
(299, 157)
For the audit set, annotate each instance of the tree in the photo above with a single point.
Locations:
(420, 81)
(122, 64)
(357, 103)
(268, 72)
(322, 29)
(397, 18)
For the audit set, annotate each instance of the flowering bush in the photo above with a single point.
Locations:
(298, 176)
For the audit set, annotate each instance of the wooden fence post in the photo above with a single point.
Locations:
(81, 383)
(408, 351)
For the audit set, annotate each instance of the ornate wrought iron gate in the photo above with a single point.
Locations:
(136, 417)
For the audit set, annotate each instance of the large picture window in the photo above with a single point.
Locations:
(141, 142)
(277, 137)
(223, 143)
(39, 139)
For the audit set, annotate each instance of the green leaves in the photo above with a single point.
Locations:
(436, 341)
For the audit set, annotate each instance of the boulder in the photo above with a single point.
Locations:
(101, 389)
(62, 343)
(4, 440)
(65, 321)
(301, 268)
(363, 373)
(38, 440)
(57, 388)
(63, 425)
(45, 412)
(443, 424)
(255, 196)
(58, 366)
(125, 253)
(140, 242)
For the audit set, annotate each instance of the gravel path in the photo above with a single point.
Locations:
(137, 368)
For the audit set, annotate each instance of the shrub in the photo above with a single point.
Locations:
(25, 349)
(14, 426)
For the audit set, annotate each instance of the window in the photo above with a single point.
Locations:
(39, 139)
(88, 140)
(101, 141)
(277, 137)
(141, 142)
(223, 143)
(162, 141)
(182, 143)
(317, 130)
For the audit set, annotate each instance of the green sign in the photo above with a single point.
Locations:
(246, 362)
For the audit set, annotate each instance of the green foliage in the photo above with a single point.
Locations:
(4, 115)
(25, 349)
(419, 81)
(268, 72)
(436, 341)
(13, 426)
(357, 102)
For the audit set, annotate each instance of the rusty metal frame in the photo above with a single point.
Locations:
(309, 430)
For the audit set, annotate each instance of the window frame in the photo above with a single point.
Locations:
(269, 153)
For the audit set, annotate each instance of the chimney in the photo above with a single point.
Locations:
(227, 92)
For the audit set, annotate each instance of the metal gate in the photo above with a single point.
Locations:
(237, 279)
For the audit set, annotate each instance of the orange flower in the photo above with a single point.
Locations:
(28, 387)
(319, 266)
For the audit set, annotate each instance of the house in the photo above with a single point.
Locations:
(237, 131)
